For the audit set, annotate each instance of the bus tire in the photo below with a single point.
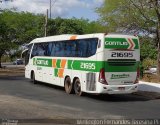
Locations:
(33, 78)
(77, 87)
(68, 85)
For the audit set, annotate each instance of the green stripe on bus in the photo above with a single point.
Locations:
(119, 43)
(136, 43)
(69, 64)
(109, 68)
(56, 72)
(43, 62)
(91, 66)
(58, 64)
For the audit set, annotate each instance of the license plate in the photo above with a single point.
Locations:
(121, 88)
(127, 82)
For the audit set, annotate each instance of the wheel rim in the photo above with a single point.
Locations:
(77, 88)
(68, 85)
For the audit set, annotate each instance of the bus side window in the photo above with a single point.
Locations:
(73, 49)
(57, 49)
(53, 49)
(77, 48)
(34, 51)
(83, 48)
(41, 49)
(62, 49)
(87, 47)
(67, 49)
(46, 48)
(49, 49)
(28, 54)
(93, 46)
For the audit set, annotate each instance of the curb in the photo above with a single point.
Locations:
(149, 87)
(148, 90)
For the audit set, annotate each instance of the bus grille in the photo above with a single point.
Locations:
(121, 62)
(91, 82)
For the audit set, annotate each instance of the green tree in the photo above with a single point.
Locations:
(73, 26)
(94, 27)
(130, 15)
(133, 16)
(27, 26)
(17, 28)
(148, 49)
(65, 26)
(6, 35)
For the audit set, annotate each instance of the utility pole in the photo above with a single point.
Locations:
(46, 17)
(50, 8)
(158, 49)
(45, 27)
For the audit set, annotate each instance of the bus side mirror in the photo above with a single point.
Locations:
(99, 43)
(23, 54)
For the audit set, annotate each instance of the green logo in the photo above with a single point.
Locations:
(116, 43)
(113, 76)
(34, 61)
(42, 62)
(121, 43)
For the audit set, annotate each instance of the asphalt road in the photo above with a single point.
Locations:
(20, 99)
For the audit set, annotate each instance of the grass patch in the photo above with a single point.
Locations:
(151, 78)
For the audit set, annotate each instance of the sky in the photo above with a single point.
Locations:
(60, 8)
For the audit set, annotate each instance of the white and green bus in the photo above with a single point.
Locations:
(92, 63)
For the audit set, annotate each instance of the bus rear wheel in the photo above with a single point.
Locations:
(77, 87)
(68, 85)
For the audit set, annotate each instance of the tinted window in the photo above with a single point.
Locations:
(41, 49)
(87, 47)
(77, 48)
(74, 48)
(49, 49)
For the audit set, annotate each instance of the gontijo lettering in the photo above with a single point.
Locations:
(116, 43)
(121, 43)
(42, 62)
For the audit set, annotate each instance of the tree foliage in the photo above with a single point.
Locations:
(6, 36)
(135, 16)
(18, 28)
(148, 49)
(73, 26)
(130, 15)
(26, 25)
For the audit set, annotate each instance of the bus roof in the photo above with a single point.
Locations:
(121, 35)
(65, 37)
(75, 36)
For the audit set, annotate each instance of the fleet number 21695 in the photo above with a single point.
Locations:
(122, 54)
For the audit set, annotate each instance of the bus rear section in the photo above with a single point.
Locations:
(121, 65)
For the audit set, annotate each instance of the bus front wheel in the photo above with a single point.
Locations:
(77, 87)
(68, 85)
(33, 78)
